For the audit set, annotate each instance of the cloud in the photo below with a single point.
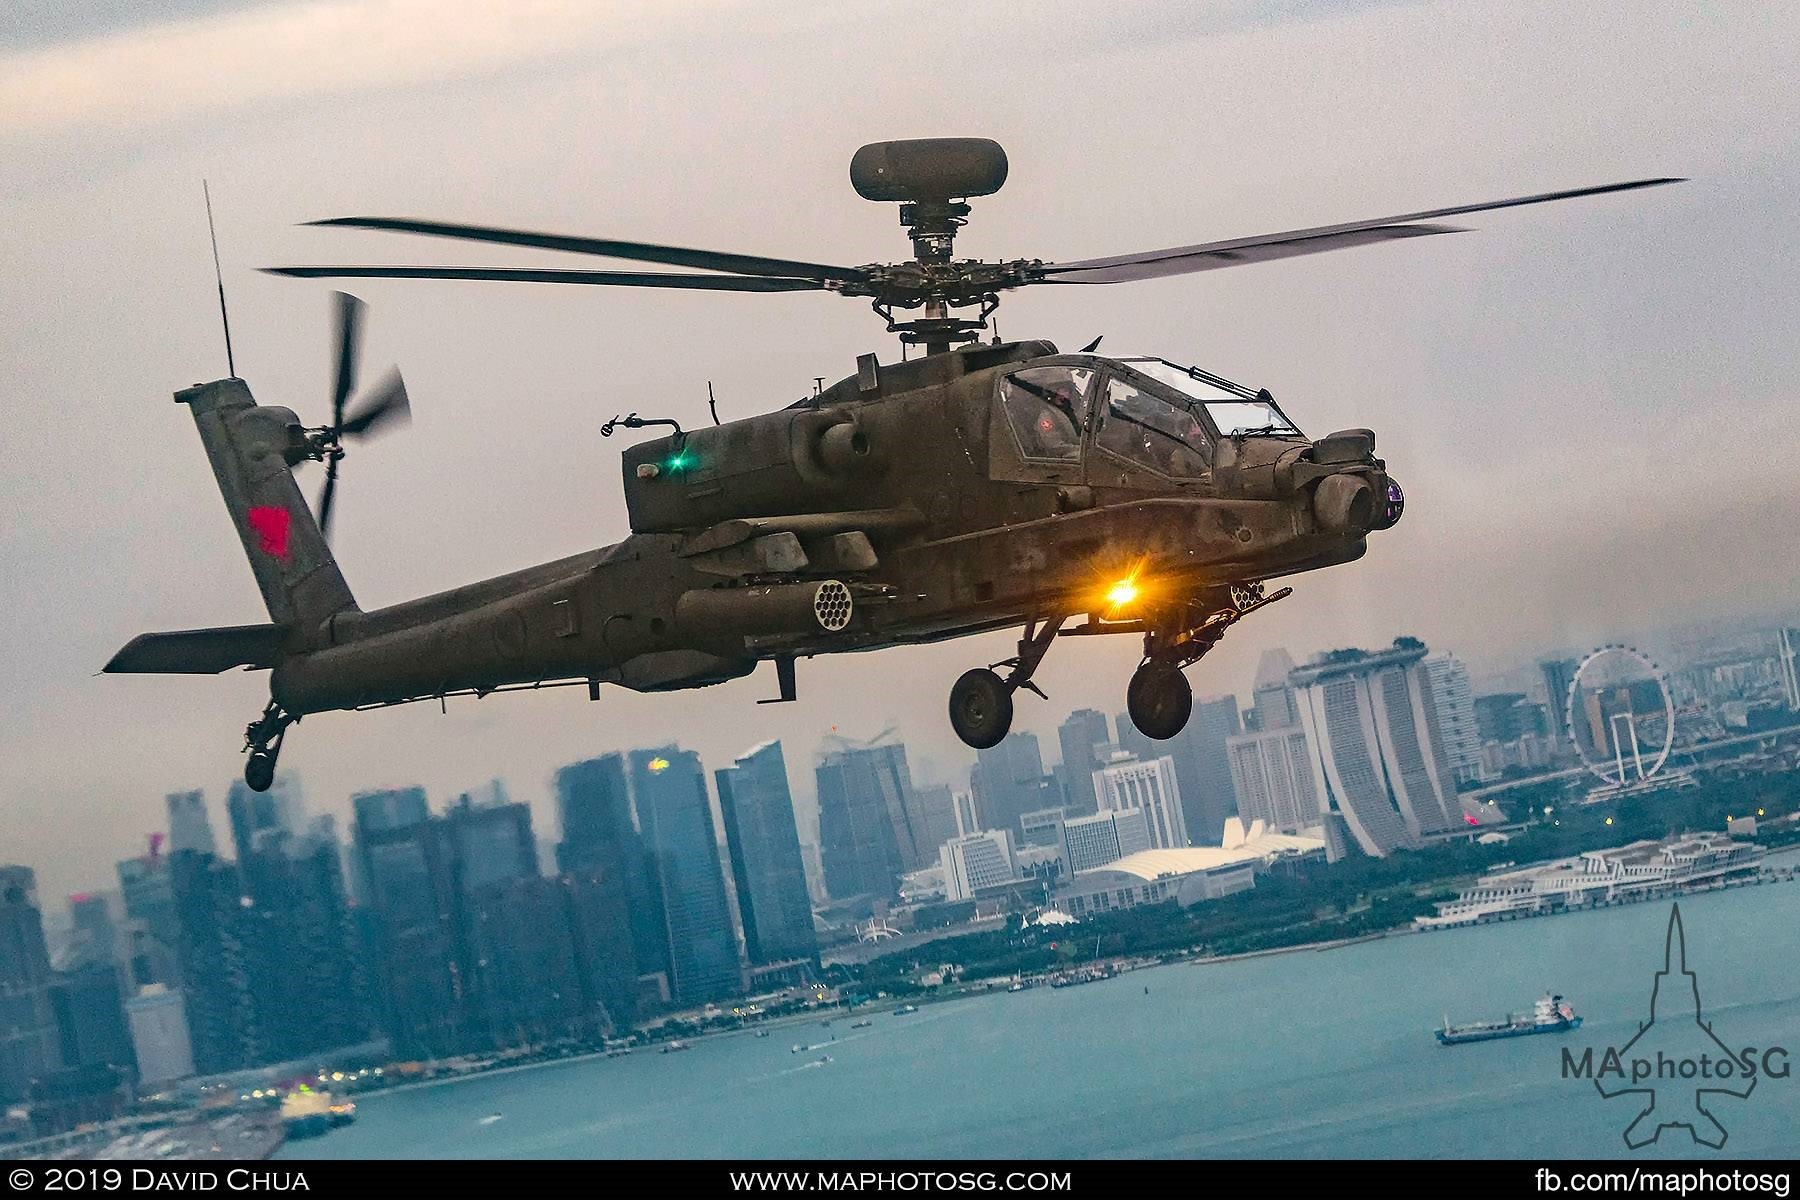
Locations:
(286, 52)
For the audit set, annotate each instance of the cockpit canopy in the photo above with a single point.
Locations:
(1147, 410)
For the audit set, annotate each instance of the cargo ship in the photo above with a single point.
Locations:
(1551, 1014)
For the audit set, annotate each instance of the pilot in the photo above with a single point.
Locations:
(1056, 431)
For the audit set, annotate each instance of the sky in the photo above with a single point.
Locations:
(1590, 403)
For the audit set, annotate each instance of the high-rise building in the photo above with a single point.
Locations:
(1046, 829)
(1559, 677)
(295, 909)
(159, 1035)
(757, 807)
(1104, 837)
(865, 839)
(668, 787)
(1084, 736)
(93, 938)
(602, 845)
(28, 1040)
(528, 986)
(258, 817)
(978, 861)
(216, 965)
(1127, 783)
(90, 1018)
(1008, 780)
(1455, 699)
(968, 816)
(409, 893)
(1502, 717)
(931, 817)
(152, 926)
(1787, 642)
(1202, 769)
(1273, 701)
(189, 826)
(390, 808)
(1272, 775)
(1378, 756)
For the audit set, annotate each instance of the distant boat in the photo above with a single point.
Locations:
(762, 1033)
(675, 1045)
(861, 1024)
(906, 1008)
(1552, 1014)
(491, 1118)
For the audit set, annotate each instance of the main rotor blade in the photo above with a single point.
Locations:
(675, 256)
(1208, 256)
(384, 405)
(348, 335)
(331, 474)
(654, 279)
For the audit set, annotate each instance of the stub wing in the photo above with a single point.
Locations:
(199, 651)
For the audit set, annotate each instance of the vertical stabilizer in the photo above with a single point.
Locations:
(251, 449)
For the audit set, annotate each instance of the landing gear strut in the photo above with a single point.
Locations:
(1160, 699)
(981, 702)
(262, 737)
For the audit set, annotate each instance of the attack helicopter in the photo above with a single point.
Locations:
(977, 486)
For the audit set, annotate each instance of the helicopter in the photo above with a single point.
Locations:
(977, 486)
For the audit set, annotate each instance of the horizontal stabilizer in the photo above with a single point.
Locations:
(199, 651)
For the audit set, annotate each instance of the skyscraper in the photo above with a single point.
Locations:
(294, 909)
(1455, 699)
(865, 840)
(390, 808)
(1378, 756)
(1202, 768)
(968, 816)
(1009, 780)
(152, 927)
(1559, 677)
(257, 817)
(216, 965)
(1084, 736)
(1273, 699)
(159, 1035)
(977, 861)
(1104, 837)
(1272, 775)
(93, 938)
(668, 787)
(758, 811)
(601, 843)
(189, 827)
(28, 1041)
(1126, 783)
(1787, 642)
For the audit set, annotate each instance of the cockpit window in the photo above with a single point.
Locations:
(1048, 410)
(1233, 408)
(1153, 432)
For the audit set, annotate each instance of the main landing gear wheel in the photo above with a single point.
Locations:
(981, 708)
(1160, 700)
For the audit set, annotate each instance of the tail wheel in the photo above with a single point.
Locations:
(259, 771)
(1160, 700)
(981, 708)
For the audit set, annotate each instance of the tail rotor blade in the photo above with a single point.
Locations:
(384, 407)
(349, 342)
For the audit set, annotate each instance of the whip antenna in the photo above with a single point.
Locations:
(224, 317)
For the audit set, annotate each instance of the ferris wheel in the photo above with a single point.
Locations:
(1602, 720)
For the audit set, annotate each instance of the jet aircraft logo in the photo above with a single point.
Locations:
(1676, 1065)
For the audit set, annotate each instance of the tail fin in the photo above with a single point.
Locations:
(251, 447)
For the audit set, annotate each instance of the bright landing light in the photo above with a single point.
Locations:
(1122, 593)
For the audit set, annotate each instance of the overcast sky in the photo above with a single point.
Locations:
(1590, 404)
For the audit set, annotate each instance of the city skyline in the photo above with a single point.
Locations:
(1527, 673)
(1511, 374)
